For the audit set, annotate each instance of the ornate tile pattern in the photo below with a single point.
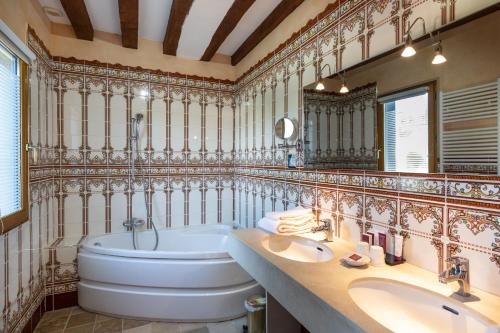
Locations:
(210, 156)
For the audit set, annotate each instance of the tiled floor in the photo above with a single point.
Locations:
(76, 320)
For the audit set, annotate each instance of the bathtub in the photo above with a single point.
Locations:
(190, 278)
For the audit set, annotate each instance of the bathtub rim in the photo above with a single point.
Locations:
(88, 245)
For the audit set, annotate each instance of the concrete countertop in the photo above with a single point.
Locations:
(316, 294)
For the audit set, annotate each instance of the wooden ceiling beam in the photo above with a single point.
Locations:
(129, 22)
(178, 13)
(79, 18)
(229, 22)
(284, 8)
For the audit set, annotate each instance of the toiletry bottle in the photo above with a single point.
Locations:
(382, 241)
(398, 247)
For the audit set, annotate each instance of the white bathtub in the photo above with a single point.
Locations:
(191, 277)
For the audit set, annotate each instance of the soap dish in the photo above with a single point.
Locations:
(356, 260)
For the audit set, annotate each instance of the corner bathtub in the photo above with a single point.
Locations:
(191, 277)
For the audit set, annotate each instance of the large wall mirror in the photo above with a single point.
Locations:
(435, 111)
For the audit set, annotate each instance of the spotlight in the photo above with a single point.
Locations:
(439, 58)
(320, 85)
(409, 50)
(343, 89)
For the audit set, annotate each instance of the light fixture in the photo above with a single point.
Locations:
(343, 87)
(409, 50)
(439, 58)
(321, 85)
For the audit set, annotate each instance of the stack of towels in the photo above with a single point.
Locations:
(292, 222)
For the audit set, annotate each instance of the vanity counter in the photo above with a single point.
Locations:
(317, 295)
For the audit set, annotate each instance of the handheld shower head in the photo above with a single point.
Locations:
(138, 117)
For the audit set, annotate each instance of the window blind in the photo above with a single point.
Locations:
(10, 133)
(406, 129)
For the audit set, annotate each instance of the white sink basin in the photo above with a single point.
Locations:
(405, 308)
(297, 248)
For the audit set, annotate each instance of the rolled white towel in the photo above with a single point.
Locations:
(279, 227)
(294, 212)
(296, 221)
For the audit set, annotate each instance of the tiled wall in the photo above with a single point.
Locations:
(186, 144)
(439, 215)
(22, 259)
(211, 156)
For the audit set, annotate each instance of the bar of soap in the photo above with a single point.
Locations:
(356, 260)
(355, 257)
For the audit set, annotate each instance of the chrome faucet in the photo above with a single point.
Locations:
(324, 225)
(133, 223)
(457, 269)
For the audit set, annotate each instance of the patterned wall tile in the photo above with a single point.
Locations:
(422, 184)
(485, 188)
(422, 217)
(381, 210)
(193, 126)
(476, 228)
(350, 204)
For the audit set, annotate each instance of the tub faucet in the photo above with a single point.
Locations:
(134, 222)
(457, 269)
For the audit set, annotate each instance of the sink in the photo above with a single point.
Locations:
(406, 308)
(297, 248)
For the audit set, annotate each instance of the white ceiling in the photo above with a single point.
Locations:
(199, 26)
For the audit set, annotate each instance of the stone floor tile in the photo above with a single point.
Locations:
(80, 319)
(140, 329)
(52, 324)
(224, 327)
(77, 310)
(131, 323)
(193, 328)
(101, 317)
(87, 328)
(108, 326)
(46, 330)
(159, 327)
(61, 314)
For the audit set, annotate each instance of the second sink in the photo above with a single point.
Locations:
(404, 308)
(297, 248)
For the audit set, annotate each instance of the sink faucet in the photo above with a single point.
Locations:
(457, 269)
(324, 225)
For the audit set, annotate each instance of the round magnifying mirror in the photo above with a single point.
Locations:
(284, 128)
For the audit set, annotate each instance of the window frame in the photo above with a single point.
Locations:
(432, 116)
(15, 219)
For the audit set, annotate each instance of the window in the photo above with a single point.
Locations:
(13, 139)
(408, 131)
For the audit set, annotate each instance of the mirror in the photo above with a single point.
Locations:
(339, 128)
(285, 128)
(410, 114)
